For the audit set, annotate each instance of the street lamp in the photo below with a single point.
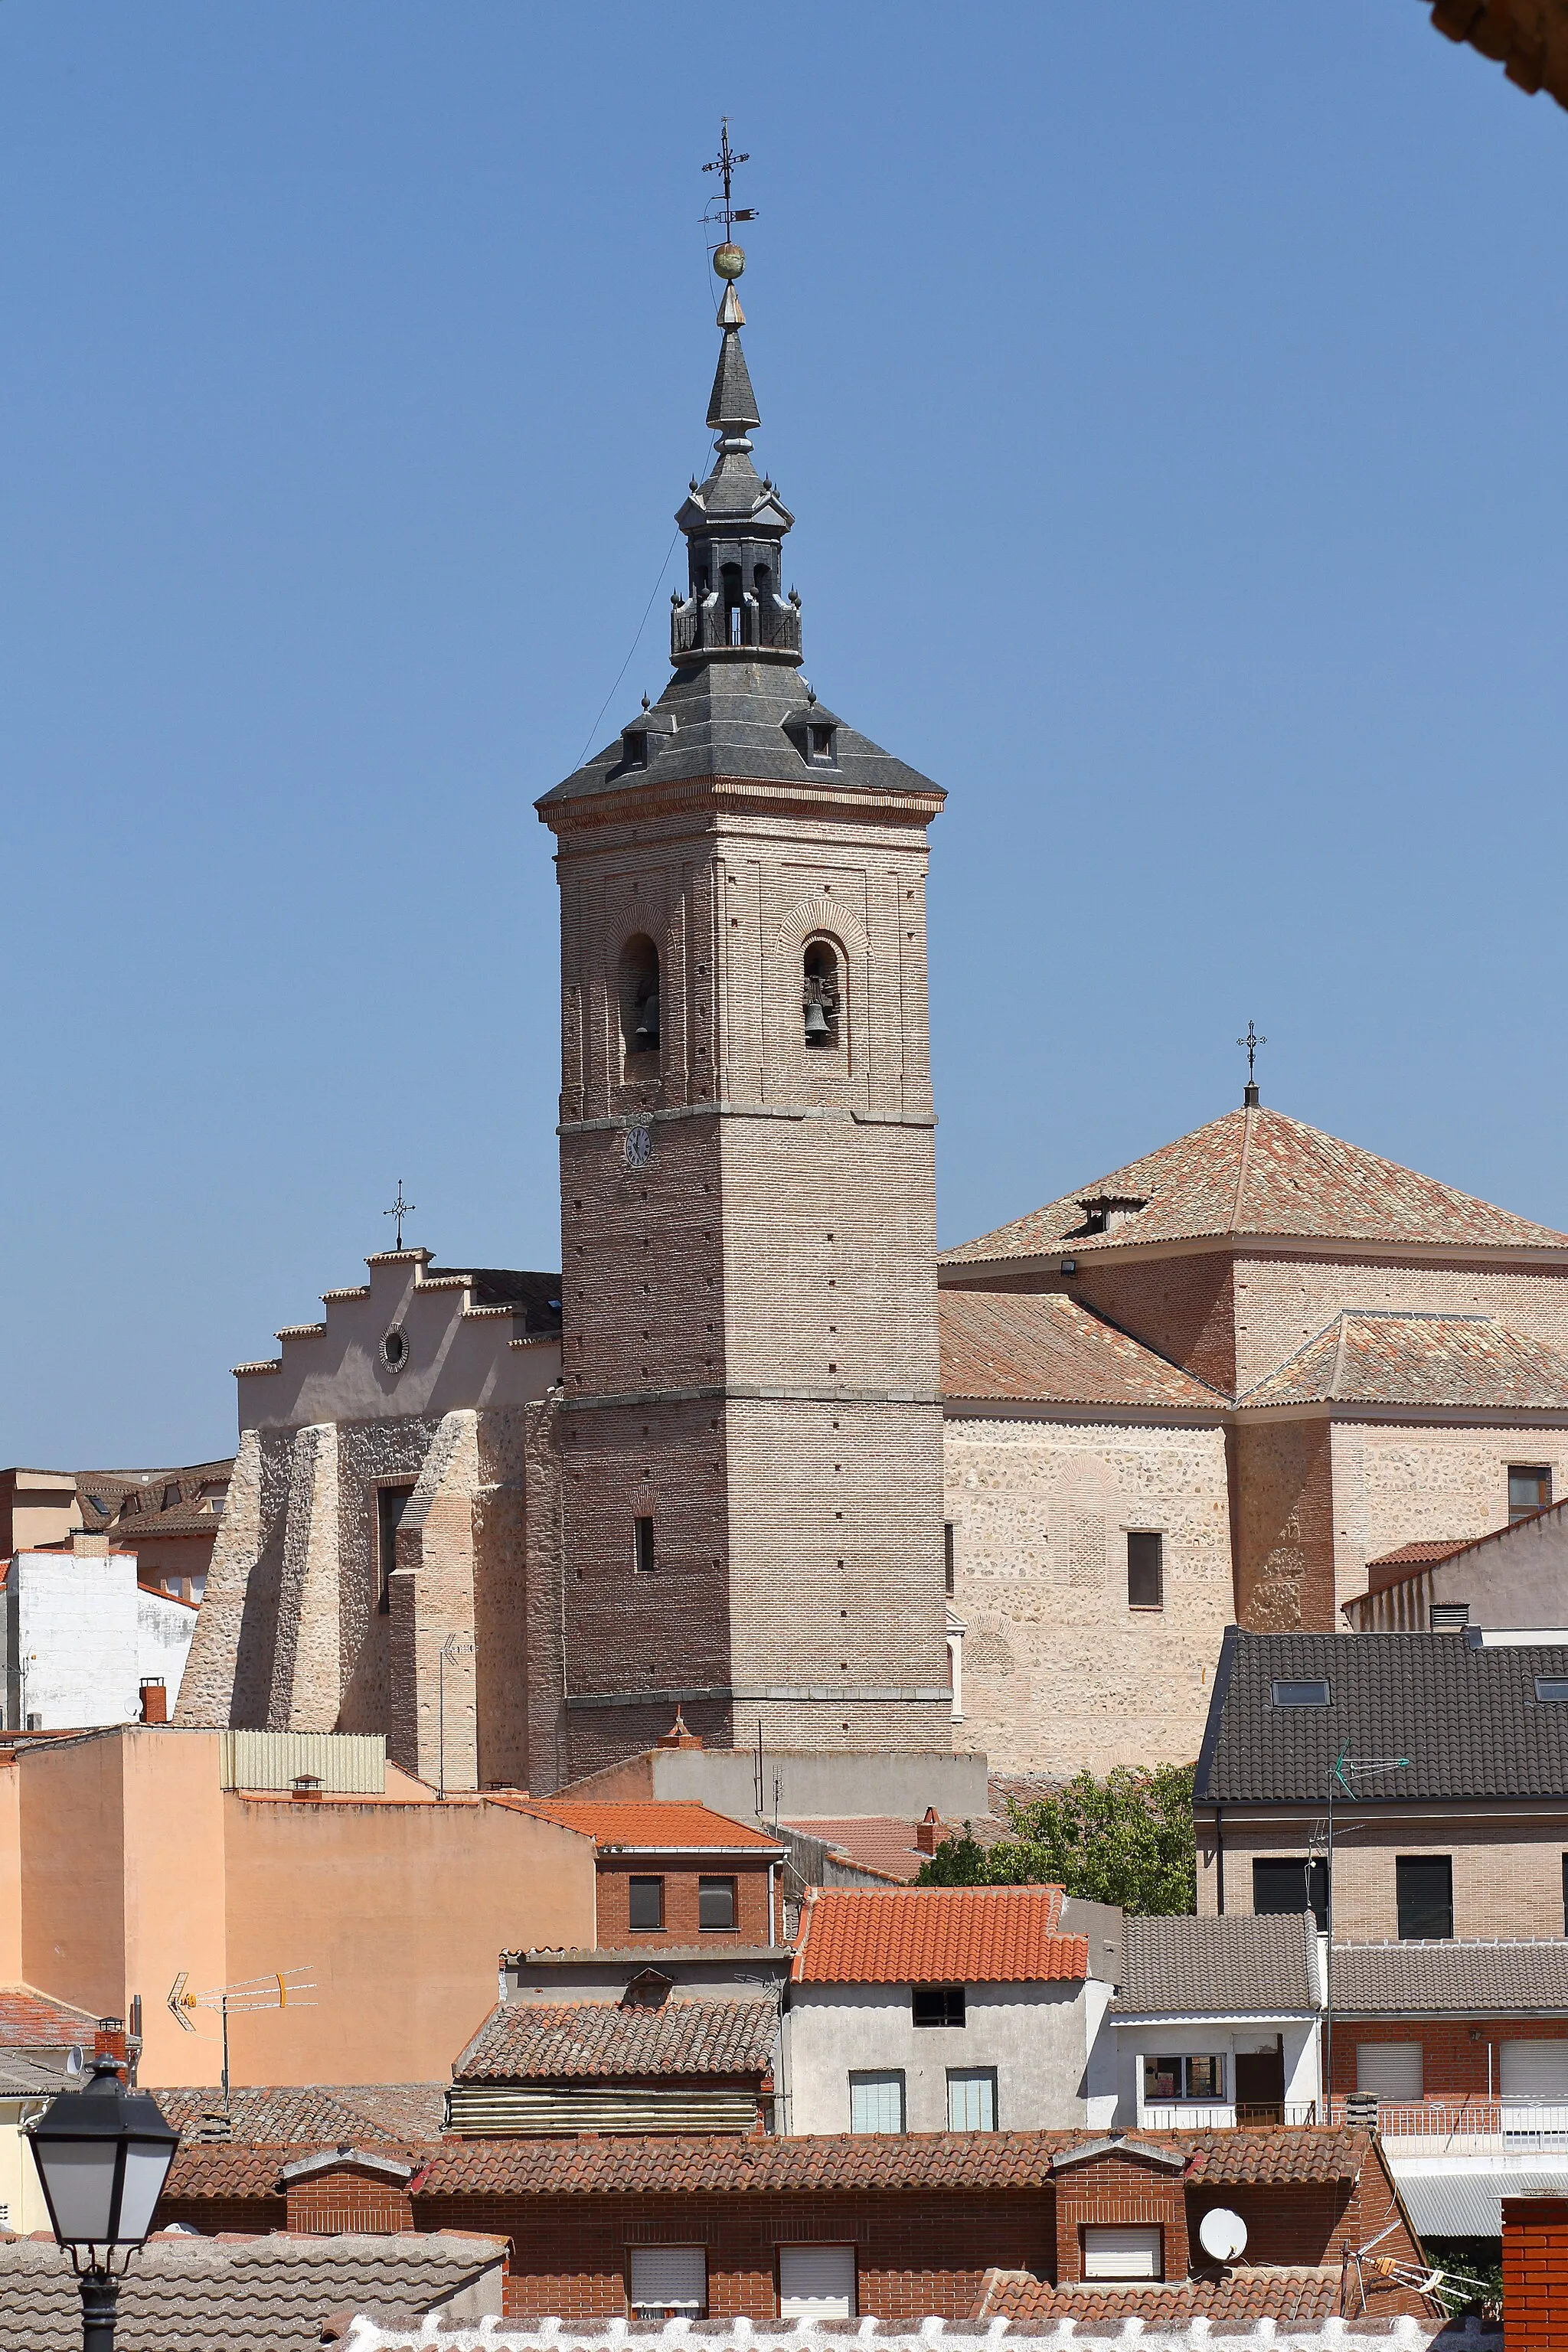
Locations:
(103, 2154)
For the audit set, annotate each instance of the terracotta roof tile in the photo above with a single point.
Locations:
(1291, 2295)
(1005, 1344)
(654, 1828)
(1369, 1356)
(389, 2113)
(554, 2041)
(937, 1934)
(876, 1841)
(31, 2020)
(1422, 1555)
(1258, 1172)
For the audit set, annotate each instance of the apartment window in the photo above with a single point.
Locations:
(1124, 2253)
(938, 2004)
(1529, 1489)
(949, 1564)
(816, 2282)
(644, 1903)
(1392, 2070)
(391, 1502)
(642, 1546)
(876, 2101)
(715, 1903)
(668, 2281)
(1424, 1884)
(1145, 1571)
(1301, 1693)
(972, 2098)
(1293, 1886)
(1183, 2077)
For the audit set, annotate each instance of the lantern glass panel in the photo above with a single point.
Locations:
(79, 2176)
(146, 2165)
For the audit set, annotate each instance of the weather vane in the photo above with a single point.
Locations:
(726, 164)
(399, 1209)
(1252, 1042)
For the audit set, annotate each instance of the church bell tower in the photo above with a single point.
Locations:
(749, 1428)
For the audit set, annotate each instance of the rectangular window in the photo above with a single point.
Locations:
(668, 2282)
(972, 2098)
(1301, 1693)
(1145, 1571)
(1566, 1894)
(949, 1563)
(1393, 2070)
(1183, 2077)
(391, 1502)
(642, 1546)
(716, 1903)
(1552, 1690)
(816, 2282)
(1529, 1489)
(1293, 1886)
(1424, 1884)
(1136, 2252)
(876, 2101)
(644, 1903)
(938, 2004)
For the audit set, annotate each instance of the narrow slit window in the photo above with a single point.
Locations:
(642, 1546)
(820, 996)
(1145, 1571)
(390, 1503)
(639, 997)
(948, 1563)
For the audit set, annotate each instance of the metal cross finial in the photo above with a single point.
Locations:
(1252, 1042)
(399, 1209)
(727, 162)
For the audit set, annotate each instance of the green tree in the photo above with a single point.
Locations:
(1126, 1839)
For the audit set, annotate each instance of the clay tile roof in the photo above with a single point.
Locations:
(1422, 1555)
(1237, 1966)
(31, 2020)
(396, 2112)
(654, 1828)
(1413, 1979)
(1264, 2159)
(880, 1841)
(1368, 1357)
(1258, 1172)
(557, 2041)
(1002, 1344)
(1292, 2296)
(266, 2293)
(937, 1934)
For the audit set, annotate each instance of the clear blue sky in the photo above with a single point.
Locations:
(1171, 401)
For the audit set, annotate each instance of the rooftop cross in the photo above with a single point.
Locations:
(1251, 1042)
(399, 1209)
(726, 163)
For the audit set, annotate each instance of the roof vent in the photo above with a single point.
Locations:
(1103, 1212)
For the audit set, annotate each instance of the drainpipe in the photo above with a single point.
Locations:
(1219, 1858)
(772, 1938)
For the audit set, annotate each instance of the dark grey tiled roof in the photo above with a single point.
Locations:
(256, 2294)
(730, 720)
(1450, 1979)
(1466, 1718)
(1235, 1966)
(553, 2041)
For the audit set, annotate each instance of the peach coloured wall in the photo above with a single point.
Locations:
(399, 1912)
(170, 1890)
(73, 1917)
(10, 1875)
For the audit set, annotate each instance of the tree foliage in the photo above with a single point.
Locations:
(1126, 1839)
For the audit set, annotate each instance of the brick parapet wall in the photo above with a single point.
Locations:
(1535, 2273)
(346, 2202)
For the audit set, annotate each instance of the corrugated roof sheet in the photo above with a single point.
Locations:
(1369, 1356)
(936, 1935)
(1466, 1718)
(655, 1827)
(1235, 1966)
(1047, 1349)
(264, 2294)
(1431, 1980)
(1260, 1173)
(556, 2042)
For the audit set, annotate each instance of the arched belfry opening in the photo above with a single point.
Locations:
(821, 996)
(639, 995)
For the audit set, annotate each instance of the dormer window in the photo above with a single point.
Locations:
(1106, 1210)
(819, 743)
(634, 747)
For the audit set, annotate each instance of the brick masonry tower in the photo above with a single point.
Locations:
(749, 1436)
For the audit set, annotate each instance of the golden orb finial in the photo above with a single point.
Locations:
(729, 260)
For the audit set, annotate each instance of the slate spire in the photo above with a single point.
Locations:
(734, 524)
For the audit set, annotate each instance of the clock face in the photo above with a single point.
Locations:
(639, 1146)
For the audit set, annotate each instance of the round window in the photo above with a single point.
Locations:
(394, 1349)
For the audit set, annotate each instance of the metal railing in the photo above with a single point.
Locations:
(1224, 2114)
(708, 625)
(1497, 2123)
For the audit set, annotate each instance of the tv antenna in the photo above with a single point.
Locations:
(282, 1990)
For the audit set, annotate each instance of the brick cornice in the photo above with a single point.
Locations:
(682, 795)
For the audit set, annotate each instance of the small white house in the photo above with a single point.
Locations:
(86, 1645)
(930, 2009)
(1216, 2022)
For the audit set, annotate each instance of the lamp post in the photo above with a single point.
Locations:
(103, 2154)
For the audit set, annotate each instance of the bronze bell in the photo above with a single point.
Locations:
(817, 1031)
(646, 1032)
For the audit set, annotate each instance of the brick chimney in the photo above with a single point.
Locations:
(926, 1832)
(89, 1547)
(108, 2041)
(677, 1735)
(154, 1700)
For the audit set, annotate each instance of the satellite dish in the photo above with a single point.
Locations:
(1222, 2233)
(76, 2064)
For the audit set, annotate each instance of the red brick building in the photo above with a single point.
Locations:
(676, 1874)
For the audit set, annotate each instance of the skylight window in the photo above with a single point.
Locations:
(1310, 1694)
(1552, 1689)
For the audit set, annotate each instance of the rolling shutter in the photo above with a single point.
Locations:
(1124, 2253)
(816, 2282)
(1534, 2070)
(1392, 2069)
(672, 2279)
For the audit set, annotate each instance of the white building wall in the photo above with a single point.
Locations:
(1206, 2037)
(79, 1637)
(1036, 2036)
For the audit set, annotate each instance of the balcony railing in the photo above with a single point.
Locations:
(708, 626)
(1224, 2114)
(1460, 2126)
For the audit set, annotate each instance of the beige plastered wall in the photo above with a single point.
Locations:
(1059, 1671)
(10, 1875)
